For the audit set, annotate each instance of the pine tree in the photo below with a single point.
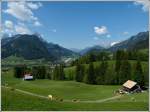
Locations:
(118, 64)
(90, 76)
(58, 73)
(61, 73)
(19, 71)
(138, 73)
(125, 72)
(100, 78)
(79, 72)
(39, 72)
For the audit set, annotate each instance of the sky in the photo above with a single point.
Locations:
(76, 24)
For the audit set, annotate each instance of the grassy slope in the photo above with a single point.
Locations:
(18, 101)
(12, 100)
(13, 60)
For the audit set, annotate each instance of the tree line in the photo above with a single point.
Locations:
(103, 73)
(40, 72)
(105, 55)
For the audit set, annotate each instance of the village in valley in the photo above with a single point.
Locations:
(54, 70)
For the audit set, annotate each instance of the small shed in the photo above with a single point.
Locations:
(28, 77)
(131, 86)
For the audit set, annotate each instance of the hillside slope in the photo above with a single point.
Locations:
(32, 47)
(136, 42)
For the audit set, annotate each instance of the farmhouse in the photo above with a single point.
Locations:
(28, 77)
(131, 86)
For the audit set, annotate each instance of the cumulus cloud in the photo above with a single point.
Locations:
(23, 11)
(37, 23)
(34, 6)
(145, 4)
(101, 30)
(113, 43)
(7, 28)
(20, 11)
(10, 28)
(22, 29)
(8, 24)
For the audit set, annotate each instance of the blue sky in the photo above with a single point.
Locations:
(76, 24)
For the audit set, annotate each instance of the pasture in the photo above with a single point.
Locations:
(67, 90)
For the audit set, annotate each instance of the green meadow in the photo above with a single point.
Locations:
(67, 90)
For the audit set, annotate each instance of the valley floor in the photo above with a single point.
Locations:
(90, 97)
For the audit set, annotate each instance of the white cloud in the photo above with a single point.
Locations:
(20, 11)
(23, 11)
(8, 24)
(100, 30)
(95, 38)
(22, 29)
(108, 35)
(145, 4)
(113, 43)
(125, 33)
(34, 6)
(8, 32)
(37, 23)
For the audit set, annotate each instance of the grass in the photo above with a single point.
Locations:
(13, 60)
(17, 101)
(13, 100)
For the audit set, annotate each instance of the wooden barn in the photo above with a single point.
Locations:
(131, 86)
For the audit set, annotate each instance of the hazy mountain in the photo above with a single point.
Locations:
(75, 50)
(32, 47)
(92, 49)
(136, 42)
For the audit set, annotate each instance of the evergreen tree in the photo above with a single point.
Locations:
(102, 69)
(39, 72)
(118, 64)
(138, 73)
(79, 72)
(91, 57)
(61, 73)
(58, 73)
(125, 72)
(90, 76)
(19, 71)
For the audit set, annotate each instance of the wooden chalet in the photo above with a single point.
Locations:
(131, 86)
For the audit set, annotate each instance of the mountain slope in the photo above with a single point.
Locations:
(95, 48)
(139, 41)
(32, 47)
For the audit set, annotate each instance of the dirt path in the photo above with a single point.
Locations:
(45, 97)
(26, 92)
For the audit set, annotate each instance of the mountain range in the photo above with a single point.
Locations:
(136, 42)
(34, 47)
